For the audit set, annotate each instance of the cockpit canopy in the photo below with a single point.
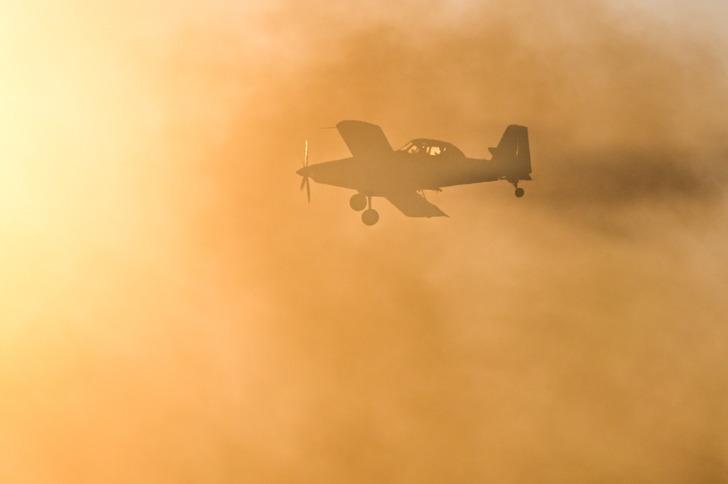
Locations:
(431, 147)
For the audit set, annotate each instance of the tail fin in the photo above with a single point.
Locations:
(514, 153)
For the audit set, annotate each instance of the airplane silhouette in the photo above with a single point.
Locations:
(402, 176)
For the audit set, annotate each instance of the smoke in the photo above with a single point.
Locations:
(178, 313)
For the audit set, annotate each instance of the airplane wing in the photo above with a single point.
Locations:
(413, 204)
(365, 140)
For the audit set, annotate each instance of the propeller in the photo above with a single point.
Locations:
(304, 173)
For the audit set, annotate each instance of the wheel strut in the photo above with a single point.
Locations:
(519, 192)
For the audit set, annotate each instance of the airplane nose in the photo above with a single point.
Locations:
(302, 171)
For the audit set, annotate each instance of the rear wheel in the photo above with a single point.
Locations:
(370, 216)
(520, 192)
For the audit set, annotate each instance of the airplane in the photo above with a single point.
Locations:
(402, 176)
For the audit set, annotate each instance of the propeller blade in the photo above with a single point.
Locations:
(304, 173)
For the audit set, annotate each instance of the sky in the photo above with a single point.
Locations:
(172, 310)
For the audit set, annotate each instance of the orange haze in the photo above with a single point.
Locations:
(171, 310)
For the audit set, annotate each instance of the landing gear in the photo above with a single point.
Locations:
(369, 216)
(358, 202)
(519, 191)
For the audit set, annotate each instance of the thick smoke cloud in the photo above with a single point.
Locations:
(200, 323)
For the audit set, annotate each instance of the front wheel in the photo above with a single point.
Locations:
(520, 192)
(370, 217)
(358, 202)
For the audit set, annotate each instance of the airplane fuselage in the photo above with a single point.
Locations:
(405, 172)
